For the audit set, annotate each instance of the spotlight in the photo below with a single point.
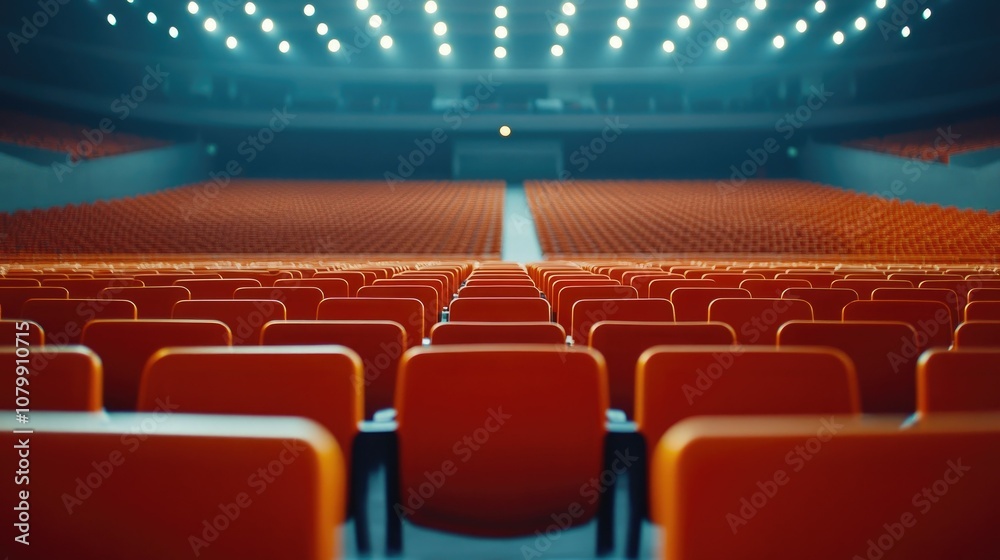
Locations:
(556, 50)
(267, 25)
(322, 29)
(309, 10)
(174, 33)
(927, 13)
(112, 20)
(440, 28)
(562, 29)
(683, 22)
(375, 21)
(500, 12)
(151, 17)
(250, 8)
(284, 47)
(905, 31)
(668, 46)
(333, 45)
(838, 37)
(801, 26)
(500, 32)
(615, 42)
(500, 52)
(722, 44)
(192, 8)
(231, 42)
(624, 23)
(505, 131)
(742, 24)
(820, 6)
(631, 4)
(701, 4)
(760, 4)
(568, 8)
(362, 4)
(860, 23)
(211, 25)
(779, 42)
(385, 42)
(444, 49)
(880, 4)
(431, 6)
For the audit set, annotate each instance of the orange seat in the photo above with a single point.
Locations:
(244, 317)
(816, 280)
(518, 310)
(151, 302)
(498, 292)
(379, 344)
(331, 287)
(425, 294)
(19, 283)
(756, 321)
(622, 342)
(11, 299)
(168, 279)
(691, 304)
(216, 289)
(977, 333)
(589, 312)
(456, 332)
(662, 288)
(437, 285)
(965, 380)
(355, 279)
(730, 279)
(884, 355)
(64, 378)
(641, 281)
(947, 297)
(772, 288)
(676, 382)
(125, 346)
(931, 319)
(865, 287)
(830, 487)
(486, 418)
(95, 477)
(64, 319)
(22, 333)
(406, 312)
(983, 311)
(479, 282)
(322, 383)
(569, 295)
(300, 303)
(984, 294)
(90, 289)
(827, 303)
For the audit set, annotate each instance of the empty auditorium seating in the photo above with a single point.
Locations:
(244, 317)
(691, 304)
(884, 356)
(865, 286)
(89, 289)
(455, 332)
(931, 319)
(222, 288)
(977, 333)
(425, 294)
(516, 400)
(936, 144)
(947, 297)
(151, 302)
(22, 332)
(984, 294)
(300, 302)
(124, 347)
(331, 287)
(379, 345)
(662, 288)
(827, 303)
(19, 282)
(772, 288)
(622, 342)
(966, 380)
(569, 295)
(730, 279)
(66, 378)
(756, 321)
(64, 319)
(918, 493)
(983, 311)
(223, 487)
(168, 278)
(12, 298)
(408, 313)
(496, 309)
(588, 312)
(498, 291)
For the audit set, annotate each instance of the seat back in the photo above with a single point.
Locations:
(455, 332)
(168, 279)
(569, 295)
(589, 312)
(12, 298)
(439, 287)
(641, 280)
(984, 294)
(977, 333)
(425, 294)
(827, 303)
(691, 304)
(223, 288)
(300, 302)
(379, 344)
(66, 378)
(22, 333)
(931, 319)
(676, 382)
(730, 279)
(662, 288)
(865, 287)
(622, 342)
(499, 310)
(64, 319)
(486, 417)
(124, 347)
(983, 311)
(407, 312)
(499, 291)
(772, 288)
(947, 297)
(151, 302)
(90, 289)
(322, 383)
(831, 487)
(331, 287)
(244, 317)
(959, 381)
(815, 279)
(756, 321)
(355, 280)
(884, 355)
(95, 478)
(6, 282)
